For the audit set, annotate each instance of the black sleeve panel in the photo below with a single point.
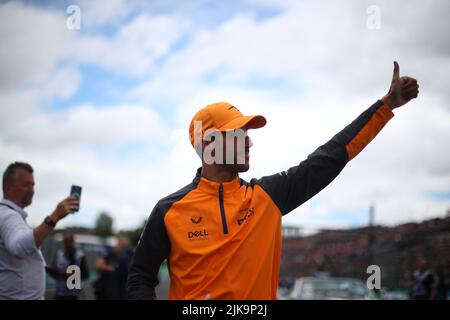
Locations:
(289, 189)
(153, 248)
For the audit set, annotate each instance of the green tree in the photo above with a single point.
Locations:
(104, 225)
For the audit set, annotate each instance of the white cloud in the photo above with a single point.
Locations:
(87, 125)
(101, 13)
(33, 41)
(135, 47)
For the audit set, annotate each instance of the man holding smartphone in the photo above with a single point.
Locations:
(21, 262)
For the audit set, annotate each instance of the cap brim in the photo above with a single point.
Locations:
(249, 122)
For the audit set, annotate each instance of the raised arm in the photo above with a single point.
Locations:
(291, 188)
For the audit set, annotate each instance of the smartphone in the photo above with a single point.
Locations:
(75, 191)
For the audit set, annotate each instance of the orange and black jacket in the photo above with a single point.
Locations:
(223, 240)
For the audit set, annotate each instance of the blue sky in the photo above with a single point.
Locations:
(108, 106)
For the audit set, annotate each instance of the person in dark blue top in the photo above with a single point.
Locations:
(113, 268)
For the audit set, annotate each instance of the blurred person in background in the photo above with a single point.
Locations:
(22, 274)
(443, 283)
(113, 268)
(68, 256)
(424, 287)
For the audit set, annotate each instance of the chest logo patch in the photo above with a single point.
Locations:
(195, 219)
(248, 212)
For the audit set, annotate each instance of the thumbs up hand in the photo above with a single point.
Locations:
(402, 90)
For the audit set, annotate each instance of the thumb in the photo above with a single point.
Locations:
(396, 75)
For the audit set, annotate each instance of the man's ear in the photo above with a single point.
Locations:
(6, 188)
(200, 147)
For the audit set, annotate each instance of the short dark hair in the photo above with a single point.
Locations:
(10, 172)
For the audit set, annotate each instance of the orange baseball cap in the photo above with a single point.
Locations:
(223, 116)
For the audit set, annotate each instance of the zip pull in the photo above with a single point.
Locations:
(222, 210)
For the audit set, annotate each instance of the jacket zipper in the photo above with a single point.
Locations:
(222, 210)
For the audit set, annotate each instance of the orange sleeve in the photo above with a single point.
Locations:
(369, 131)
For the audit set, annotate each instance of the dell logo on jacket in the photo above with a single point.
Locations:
(197, 234)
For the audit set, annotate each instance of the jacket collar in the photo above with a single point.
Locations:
(209, 186)
(15, 207)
